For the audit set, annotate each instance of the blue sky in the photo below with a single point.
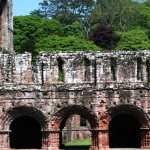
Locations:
(23, 7)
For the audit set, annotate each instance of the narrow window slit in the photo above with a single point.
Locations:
(113, 68)
(61, 74)
(139, 69)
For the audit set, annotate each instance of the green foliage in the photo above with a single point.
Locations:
(69, 43)
(54, 8)
(34, 34)
(133, 40)
(117, 13)
(67, 12)
(143, 16)
(147, 2)
(28, 30)
(75, 29)
(60, 25)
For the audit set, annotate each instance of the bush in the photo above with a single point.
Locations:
(70, 43)
(29, 29)
(105, 37)
(75, 29)
(133, 40)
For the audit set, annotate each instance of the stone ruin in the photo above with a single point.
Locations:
(110, 90)
(6, 25)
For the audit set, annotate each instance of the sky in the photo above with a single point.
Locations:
(23, 7)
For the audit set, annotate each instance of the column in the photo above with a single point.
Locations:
(4, 139)
(145, 138)
(95, 139)
(104, 139)
(53, 140)
(45, 136)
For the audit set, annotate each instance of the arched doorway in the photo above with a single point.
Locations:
(25, 133)
(75, 133)
(124, 132)
(61, 118)
(126, 126)
(28, 128)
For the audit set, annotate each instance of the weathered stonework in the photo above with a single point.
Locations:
(6, 29)
(110, 90)
(109, 85)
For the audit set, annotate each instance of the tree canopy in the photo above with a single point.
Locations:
(74, 24)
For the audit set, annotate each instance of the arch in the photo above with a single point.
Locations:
(83, 111)
(137, 112)
(22, 116)
(19, 111)
(25, 133)
(126, 126)
(60, 118)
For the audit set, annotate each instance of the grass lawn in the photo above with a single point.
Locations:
(79, 142)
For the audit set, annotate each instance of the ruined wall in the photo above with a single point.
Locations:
(96, 86)
(6, 25)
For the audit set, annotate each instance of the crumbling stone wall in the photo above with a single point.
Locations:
(96, 86)
(6, 29)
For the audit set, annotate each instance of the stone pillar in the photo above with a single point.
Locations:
(53, 140)
(145, 138)
(104, 139)
(45, 135)
(4, 140)
(95, 139)
(0, 31)
(104, 130)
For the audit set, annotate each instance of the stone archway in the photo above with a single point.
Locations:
(25, 133)
(24, 124)
(59, 119)
(124, 132)
(128, 127)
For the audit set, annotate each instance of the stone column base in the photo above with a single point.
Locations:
(53, 148)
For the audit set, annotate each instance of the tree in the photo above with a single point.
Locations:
(147, 2)
(105, 37)
(74, 29)
(117, 13)
(34, 34)
(143, 16)
(67, 12)
(80, 8)
(29, 29)
(134, 40)
(66, 44)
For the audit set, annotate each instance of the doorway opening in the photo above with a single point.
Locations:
(25, 133)
(77, 122)
(75, 133)
(124, 132)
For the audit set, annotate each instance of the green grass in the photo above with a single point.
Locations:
(79, 142)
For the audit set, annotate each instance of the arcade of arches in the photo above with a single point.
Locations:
(127, 127)
(110, 90)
